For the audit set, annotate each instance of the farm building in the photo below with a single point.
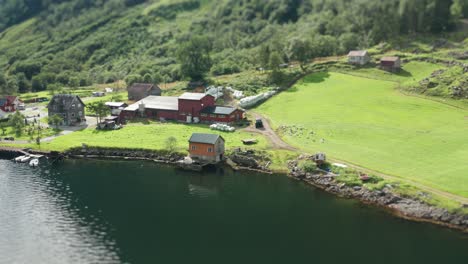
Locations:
(358, 57)
(206, 147)
(116, 107)
(221, 114)
(189, 108)
(191, 105)
(139, 91)
(155, 107)
(9, 104)
(69, 107)
(392, 64)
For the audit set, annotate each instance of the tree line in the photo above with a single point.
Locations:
(77, 43)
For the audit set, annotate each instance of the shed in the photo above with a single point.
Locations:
(358, 57)
(391, 64)
(139, 91)
(206, 147)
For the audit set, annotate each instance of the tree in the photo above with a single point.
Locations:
(301, 51)
(274, 61)
(74, 82)
(171, 144)
(56, 120)
(100, 109)
(264, 56)
(133, 78)
(148, 78)
(23, 83)
(3, 127)
(17, 123)
(194, 58)
(53, 88)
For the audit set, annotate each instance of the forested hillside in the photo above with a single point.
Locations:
(45, 44)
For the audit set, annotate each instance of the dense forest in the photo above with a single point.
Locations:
(45, 44)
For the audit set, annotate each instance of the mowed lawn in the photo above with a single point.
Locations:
(369, 123)
(140, 136)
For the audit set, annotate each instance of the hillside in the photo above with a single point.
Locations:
(49, 45)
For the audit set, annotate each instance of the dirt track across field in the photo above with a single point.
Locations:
(269, 133)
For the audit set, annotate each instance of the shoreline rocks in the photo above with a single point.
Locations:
(408, 208)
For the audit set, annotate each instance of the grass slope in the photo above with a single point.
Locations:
(368, 122)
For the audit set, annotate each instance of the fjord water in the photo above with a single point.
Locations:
(138, 212)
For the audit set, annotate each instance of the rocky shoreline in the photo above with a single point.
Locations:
(408, 208)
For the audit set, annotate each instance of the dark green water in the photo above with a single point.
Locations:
(132, 212)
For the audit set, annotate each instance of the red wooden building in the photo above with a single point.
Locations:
(191, 105)
(9, 104)
(189, 108)
(221, 114)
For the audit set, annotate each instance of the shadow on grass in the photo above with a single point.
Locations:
(316, 77)
(404, 73)
(311, 78)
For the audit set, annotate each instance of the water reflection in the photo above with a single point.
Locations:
(137, 212)
(40, 218)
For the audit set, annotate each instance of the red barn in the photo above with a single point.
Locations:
(9, 104)
(191, 104)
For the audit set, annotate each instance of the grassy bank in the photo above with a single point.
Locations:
(368, 122)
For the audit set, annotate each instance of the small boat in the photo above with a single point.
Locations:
(23, 159)
(17, 159)
(34, 163)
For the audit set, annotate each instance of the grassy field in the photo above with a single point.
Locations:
(151, 136)
(368, 122)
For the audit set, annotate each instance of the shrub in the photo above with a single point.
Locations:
(308, 166)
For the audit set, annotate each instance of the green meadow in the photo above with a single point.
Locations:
(151, 136)
(367, 122)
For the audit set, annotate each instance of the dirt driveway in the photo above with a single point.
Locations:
(269, 133)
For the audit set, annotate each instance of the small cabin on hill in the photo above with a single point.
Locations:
(358, 57)
(139, 91)
(391, 64)
(69, 107)
(206, 147)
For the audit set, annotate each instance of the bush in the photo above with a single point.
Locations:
(308, 166)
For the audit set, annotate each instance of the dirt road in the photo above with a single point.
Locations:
(269, 133)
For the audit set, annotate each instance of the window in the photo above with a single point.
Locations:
(233, 116)
(221, 116)
(80, 113)
(210, 150)
(204, 115)
(73, 105)
(212, 115)
(194, 147)
(73, 114)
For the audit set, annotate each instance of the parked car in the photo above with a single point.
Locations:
(9, 139)
(258, 123)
